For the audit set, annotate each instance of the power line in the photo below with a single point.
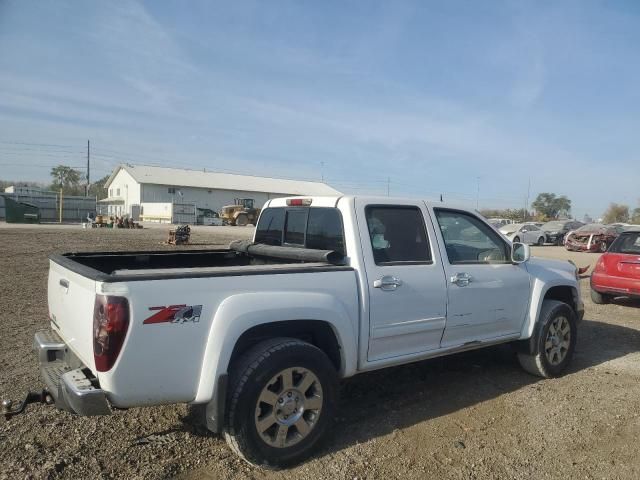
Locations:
(31, 144)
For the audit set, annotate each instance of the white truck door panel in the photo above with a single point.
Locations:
(488, 295)
(406, 284)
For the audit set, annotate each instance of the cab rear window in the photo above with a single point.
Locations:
(307, 227)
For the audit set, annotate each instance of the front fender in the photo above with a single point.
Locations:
(546, 274)
(238, 313)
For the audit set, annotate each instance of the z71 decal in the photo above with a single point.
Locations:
(175, 314)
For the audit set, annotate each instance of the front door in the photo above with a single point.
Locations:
(406, 283)
(488, 295)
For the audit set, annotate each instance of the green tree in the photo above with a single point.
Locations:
(635, 216)
(96, 189)
(517, 214)
(616, 213)
(65, 177)
(550, 206)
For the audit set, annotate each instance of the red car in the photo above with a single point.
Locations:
(594, 237)
(617, 272)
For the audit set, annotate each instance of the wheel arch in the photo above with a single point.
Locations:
(319, 333)
(560, 292)
(244, 319)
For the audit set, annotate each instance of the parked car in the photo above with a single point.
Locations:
(555, 230)
(498, 222)
(617, 272)
(524, 232)
(256, 337)
(594, 237)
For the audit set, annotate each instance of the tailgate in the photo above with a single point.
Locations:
(71, 302)
(622, 265)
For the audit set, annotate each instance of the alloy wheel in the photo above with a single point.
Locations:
(288, 407)
(558, 340)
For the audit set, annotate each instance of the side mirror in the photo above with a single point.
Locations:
(520, 253)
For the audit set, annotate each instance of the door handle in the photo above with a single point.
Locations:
(64, 283)
(461, 279)
(387, 283)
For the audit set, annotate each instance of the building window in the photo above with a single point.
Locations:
(111, 192)
(117, 192)
(172, 190)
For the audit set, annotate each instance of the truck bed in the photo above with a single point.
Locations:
(156, 265)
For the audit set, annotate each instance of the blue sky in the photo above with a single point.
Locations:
(429, 96)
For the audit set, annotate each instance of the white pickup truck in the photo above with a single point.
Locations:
(257, 336)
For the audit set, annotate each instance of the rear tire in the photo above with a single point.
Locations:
(282, 400)
(600, 298)
(541, 241)
(555, 342)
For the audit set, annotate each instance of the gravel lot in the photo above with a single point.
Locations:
(475, 415)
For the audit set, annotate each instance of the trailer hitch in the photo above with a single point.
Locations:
(9, 409)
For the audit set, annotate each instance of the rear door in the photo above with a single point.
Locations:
(406, 284)
(488, 295)
(530, 234)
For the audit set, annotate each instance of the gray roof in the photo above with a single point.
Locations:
(226, 181)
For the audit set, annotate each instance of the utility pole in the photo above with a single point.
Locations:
(88, 177)
(388, 185)
(526, 203)
(478, 194)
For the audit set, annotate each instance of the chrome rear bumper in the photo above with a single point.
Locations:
(70, 383)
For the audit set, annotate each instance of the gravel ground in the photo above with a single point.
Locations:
(475, 415)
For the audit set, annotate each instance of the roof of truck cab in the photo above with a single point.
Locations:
(332, 200)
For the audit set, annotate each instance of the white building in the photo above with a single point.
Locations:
(153, 193)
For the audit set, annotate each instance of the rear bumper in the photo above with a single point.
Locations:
(70, 383)
(615, 285)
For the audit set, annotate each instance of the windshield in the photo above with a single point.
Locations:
(593, 227)
(554, 225)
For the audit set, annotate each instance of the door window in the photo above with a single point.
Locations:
(469, 240)
(398, 235)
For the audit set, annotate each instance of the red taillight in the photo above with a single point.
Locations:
(600, 265)
(110, 325)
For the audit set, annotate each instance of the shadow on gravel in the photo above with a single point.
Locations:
(375, 404)
(626, 302)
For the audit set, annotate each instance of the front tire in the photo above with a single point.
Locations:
(282, 400)
(516, 239)
(541, 241)
(556, 341)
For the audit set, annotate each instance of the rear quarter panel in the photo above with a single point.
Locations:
(180, 362)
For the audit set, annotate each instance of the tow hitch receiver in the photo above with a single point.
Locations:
(9, 409)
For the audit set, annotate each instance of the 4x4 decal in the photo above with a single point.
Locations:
(175, 314)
